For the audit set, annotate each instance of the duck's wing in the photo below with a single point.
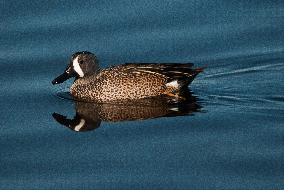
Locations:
(183, 73)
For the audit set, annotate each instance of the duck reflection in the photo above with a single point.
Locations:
(90, 115)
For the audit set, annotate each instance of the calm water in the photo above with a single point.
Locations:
(233, 141)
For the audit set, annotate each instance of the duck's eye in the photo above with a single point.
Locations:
(81, 62)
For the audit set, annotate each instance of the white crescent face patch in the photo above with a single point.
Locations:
(77, 67)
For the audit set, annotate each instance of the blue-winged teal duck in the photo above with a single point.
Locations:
(128, 81)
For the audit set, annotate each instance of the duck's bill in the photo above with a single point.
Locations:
(63, 77)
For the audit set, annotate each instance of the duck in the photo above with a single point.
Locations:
(125, 82)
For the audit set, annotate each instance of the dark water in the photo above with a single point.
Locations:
(234, 142)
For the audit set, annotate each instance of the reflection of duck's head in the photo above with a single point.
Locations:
(78, 123)
(89, 115)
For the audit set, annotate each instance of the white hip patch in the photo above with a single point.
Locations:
(173, 84)
(77, 67)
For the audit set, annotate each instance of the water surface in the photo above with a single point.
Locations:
(234, 142)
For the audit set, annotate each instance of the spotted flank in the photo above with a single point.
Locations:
(128, 81)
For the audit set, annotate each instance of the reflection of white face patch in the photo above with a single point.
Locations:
(77, 67)
(80, 125)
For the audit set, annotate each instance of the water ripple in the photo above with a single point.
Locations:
(279, 66)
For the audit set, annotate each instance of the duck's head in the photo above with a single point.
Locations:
(81, 64)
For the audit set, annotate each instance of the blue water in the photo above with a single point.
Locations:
(235, 140)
